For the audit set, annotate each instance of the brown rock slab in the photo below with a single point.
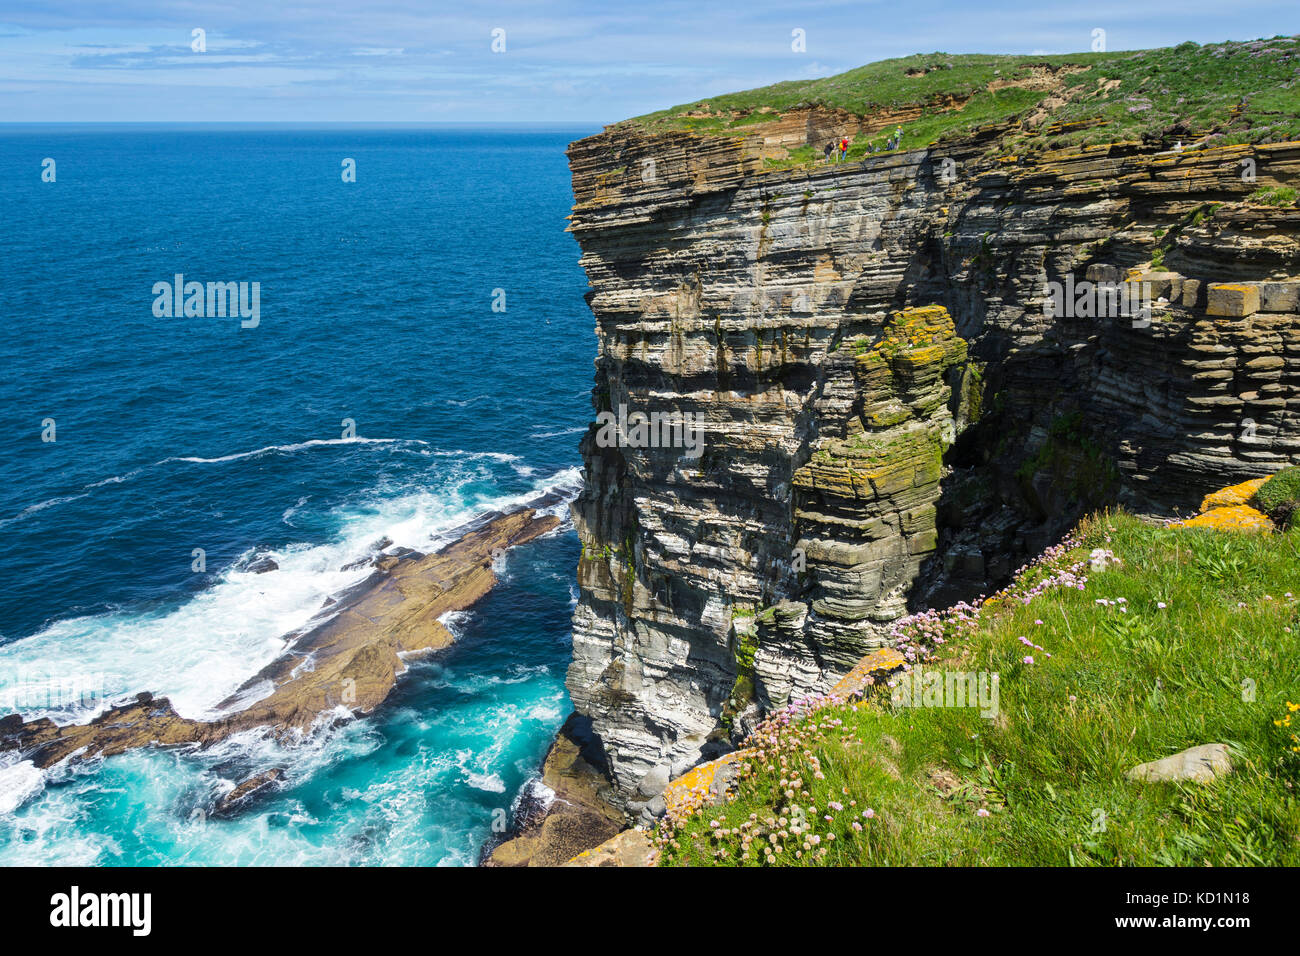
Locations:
(629, 848)
(355, 655)
(1280, 296)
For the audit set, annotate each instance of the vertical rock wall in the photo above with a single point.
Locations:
(891, 418)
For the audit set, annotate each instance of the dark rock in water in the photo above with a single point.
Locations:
(391, 559)
(263, 564)
(239, 798)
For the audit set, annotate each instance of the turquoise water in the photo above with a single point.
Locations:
(181, 433)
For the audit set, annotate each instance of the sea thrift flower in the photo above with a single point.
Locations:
(981, 812)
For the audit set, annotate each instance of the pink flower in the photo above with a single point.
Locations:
(1029, 658)
(981, 812)
(868, 813)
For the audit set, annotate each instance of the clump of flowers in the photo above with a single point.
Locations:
(781, 756)
(1293, 743)
(918, 636)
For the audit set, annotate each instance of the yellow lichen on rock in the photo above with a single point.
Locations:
(1232, 496)
(1232, 518)
(629, 848)
(693, 787)
(878, 662)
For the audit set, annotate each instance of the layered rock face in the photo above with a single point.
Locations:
(894, 415)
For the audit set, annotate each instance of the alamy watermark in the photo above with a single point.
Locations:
(1098, 300)
(927, 687)
(654, 430)
(195, 300)
(31, 690)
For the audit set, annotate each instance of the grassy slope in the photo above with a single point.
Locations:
(1188, 89)
(1145, 683)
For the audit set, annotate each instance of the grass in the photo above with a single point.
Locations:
(1227, 92)
(1278, 196)
(1116, 679)
(884, 85)
(1279, 497)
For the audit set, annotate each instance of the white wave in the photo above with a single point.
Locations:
(487, 782)
(41, 506)
(468, 401)
(455, 622)
(545, 713)
(200, 653)
(299, 446)
(503, 457)
(561, 432)
(115, 480)
(19, 782)
(289, 512)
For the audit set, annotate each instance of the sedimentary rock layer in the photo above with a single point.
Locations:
(894, 415)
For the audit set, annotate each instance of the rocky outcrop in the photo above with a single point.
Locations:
(565, 811)
(348, 663)
(900, 400)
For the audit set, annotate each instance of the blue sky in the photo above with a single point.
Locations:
(578, 61)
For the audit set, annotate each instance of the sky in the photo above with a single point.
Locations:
(570, 61)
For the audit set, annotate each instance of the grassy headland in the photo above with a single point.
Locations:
(1220, 93)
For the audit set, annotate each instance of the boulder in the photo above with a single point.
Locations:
(1201, 764)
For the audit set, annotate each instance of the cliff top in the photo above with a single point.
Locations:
(1223, 93)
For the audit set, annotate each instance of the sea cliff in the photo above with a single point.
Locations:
(896, 413)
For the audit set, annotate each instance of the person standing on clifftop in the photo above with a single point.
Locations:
(844, 148)
(830, 148)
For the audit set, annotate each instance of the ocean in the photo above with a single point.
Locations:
(420, 353)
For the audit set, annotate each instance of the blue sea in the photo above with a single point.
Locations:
(146, 461)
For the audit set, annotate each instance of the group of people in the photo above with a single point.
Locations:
(840, 149)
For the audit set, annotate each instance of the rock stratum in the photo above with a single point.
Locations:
(346, 663)
(896, 410)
